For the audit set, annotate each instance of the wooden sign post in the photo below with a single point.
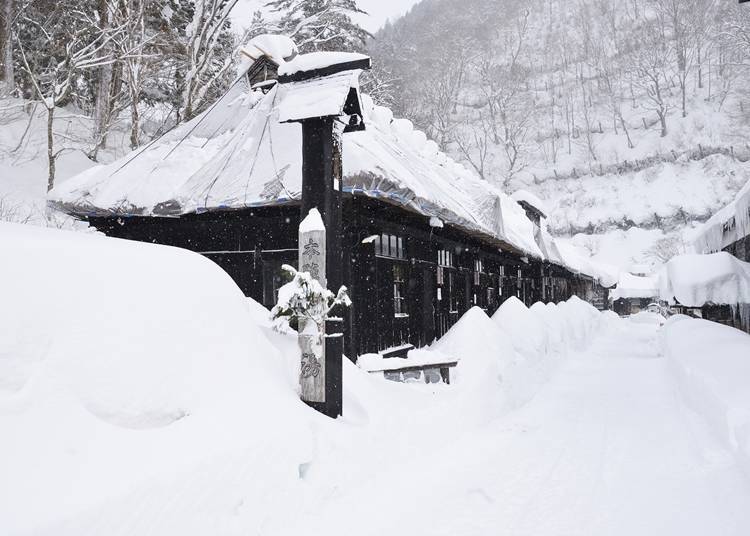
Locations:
(312, 259)
(322, 95)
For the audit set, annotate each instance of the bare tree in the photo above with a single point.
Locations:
(53, 81)
(102, 103)
(473, 142)
(6, 45)
(650, 71)
(440, 94)
(665, 248)
(685, 20)
(135, 63)
(507, 105)
(210, 20)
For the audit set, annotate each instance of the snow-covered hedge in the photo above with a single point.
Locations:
(712, 365)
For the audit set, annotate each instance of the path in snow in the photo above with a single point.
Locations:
(607, 447)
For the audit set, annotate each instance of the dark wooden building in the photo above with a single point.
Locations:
(423, 240)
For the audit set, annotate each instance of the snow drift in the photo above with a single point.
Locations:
(126, 365)
(141, 392)
(712, 365)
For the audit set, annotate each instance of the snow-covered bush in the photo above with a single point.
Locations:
(305, 298)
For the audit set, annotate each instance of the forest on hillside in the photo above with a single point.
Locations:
(567, 87)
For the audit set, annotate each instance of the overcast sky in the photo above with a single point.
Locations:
(378, 12)
(381, 10)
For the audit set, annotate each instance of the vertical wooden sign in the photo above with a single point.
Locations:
(312, 259)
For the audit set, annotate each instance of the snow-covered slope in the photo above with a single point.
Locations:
(552, 97)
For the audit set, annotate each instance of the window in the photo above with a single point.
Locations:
(452, 292)
(445, 258)
(399, 291)
(388, 245)
(477, 271)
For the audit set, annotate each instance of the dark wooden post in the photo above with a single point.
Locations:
(322, 129)
(321, 180)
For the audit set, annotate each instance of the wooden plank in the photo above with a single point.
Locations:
(415, 368)
(300, 76)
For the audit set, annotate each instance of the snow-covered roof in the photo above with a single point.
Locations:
(697, 280)
(241, 153)
(319, 60)
(278, 48)
(633, 286)
(238, 154)
(726, 226)
(524, 196)
(578, 262)
(549, 247)
(317, 97)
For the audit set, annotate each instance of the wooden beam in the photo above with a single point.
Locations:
(300, 76)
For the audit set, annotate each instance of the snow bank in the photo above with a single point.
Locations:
(505, 359)
(712, 365)
(481, 357)
(127, 371)
(528, 333)
(669, 191)
(695, 280)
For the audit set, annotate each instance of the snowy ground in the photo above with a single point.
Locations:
(128, 406)
(606, 447)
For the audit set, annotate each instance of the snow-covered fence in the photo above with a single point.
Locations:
(631, 166)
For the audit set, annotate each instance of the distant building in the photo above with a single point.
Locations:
(633, 294)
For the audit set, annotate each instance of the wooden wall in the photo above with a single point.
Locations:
(252, 244)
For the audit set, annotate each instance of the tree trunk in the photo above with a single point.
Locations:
(50, 148)
(627, 134)
(663, 122)
(103, 87)
(683, 91)
(8, 72)
(134, 123)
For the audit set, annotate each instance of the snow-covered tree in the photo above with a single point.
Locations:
(57, 42)
(320, 24)
(7, 76)
(304, 298)
(208, 48)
